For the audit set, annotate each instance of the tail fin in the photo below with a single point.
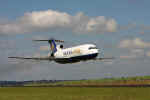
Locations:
(52, 46)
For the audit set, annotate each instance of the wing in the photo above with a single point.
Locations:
(34, 58)
(104, 59)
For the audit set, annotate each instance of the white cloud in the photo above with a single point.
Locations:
(134, 53)
(50, 19)
(135, 43)
(101, 24)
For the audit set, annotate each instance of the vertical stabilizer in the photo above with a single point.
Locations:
(52, 46)
(52, 43)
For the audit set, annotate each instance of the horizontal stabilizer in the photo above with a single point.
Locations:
(50, 40)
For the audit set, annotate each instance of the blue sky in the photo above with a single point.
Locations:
(120, 27)
(126, 9)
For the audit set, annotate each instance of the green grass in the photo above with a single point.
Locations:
(75, 93)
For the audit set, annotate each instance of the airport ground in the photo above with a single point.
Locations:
(130, 88)
(75, 93)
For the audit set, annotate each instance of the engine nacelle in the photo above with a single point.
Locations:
(61, 46)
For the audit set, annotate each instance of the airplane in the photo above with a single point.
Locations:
(63, 55)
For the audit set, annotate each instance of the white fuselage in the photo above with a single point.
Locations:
(76, 51)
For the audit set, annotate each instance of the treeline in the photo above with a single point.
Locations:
(23, 83)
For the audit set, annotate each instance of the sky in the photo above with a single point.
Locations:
(120, 28)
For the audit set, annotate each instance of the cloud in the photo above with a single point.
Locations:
(135, 43)
(54, 20)
(134, 53)
(135, 48)
(133, 27)
(129, 26)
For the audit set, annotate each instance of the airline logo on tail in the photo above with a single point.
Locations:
(53, 46)
(52, 43)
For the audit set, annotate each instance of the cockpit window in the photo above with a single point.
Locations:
(92, 48)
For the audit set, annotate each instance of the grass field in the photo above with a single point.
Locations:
(74, 93)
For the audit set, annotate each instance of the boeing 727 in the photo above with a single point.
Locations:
(68, 55)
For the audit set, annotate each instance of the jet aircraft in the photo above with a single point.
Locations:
(73, 54)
